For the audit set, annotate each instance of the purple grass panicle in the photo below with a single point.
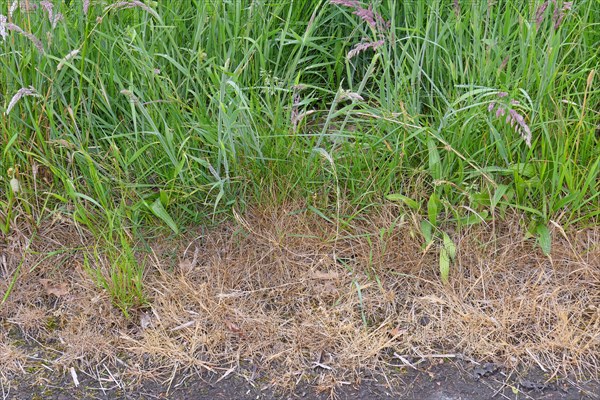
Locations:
(557, 16)
(120, 5)
(517, 122)
(130, 95)
(504, 63)
(295, 117)
(23, 5)
(539, 13)
(352, 96)
(360, 47)
(346, 3)
(513, 118)
(9, 26)
(372, 18)
(49, 8)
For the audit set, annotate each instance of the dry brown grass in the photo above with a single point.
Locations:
(276, 294)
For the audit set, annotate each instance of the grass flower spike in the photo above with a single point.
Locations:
(28, 91)
(513, 118)
(9, 26)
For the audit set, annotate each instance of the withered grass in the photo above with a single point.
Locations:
(275, 295)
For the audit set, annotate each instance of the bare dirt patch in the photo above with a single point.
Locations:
(434, 381)
(283, 297)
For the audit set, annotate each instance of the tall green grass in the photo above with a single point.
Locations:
(170, 115)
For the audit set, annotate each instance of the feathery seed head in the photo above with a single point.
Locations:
(360, 47)
(120, 5)
(3, 33)
(513, 118)
(9, 26)
(28, 91)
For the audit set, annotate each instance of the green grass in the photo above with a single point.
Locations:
(168, 118)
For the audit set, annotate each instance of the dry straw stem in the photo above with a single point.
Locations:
(267, 290)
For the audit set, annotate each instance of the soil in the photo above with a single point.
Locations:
(434, 381)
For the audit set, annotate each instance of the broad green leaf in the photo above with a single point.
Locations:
(139, 152)
(10, 142)
(404, 199)
(435, 166)
(219, 196)
(470, 219)
(449, 246)
(481, 198)
(524, 169)
(544, 238)
(444, 265)
(164, 198)
(158, 210)
(426, 231)
(500, 190)
(432, 209)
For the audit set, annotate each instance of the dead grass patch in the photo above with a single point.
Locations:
(275, 294)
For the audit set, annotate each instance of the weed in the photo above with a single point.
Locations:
(117, 271)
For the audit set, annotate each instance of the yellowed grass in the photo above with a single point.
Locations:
(275, 293)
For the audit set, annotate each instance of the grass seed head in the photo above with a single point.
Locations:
(3, 32)
(131, 4)
(557, 16)
(372, 18)
(513, 118)
(28, 91)
(456, 8)
(49, 8)
(539, 14)
(9, 26)
(66, 58)
(12, 8)
(360, 47)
